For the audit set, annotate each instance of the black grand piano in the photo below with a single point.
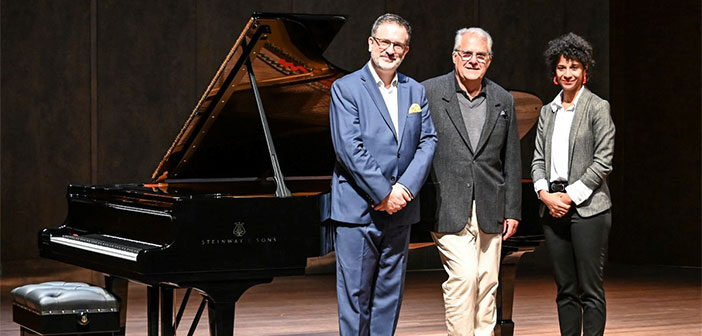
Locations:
(241, 196)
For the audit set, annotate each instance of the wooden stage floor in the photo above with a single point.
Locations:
(641, 301)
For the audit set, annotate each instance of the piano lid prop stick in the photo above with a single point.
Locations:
(281, 190)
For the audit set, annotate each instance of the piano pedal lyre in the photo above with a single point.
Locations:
(181, 311)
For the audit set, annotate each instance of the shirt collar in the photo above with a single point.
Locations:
(465, 94)
(377, 79)
(557, 102)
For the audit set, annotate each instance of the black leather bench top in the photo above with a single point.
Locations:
(58, 297)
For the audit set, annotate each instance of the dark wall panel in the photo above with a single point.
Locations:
(219, 23)
(519, 40)
(521, 30)
(349, 50)
(656, 106)
(434, 24)
(45, 120)
(590, 19)
(146, 79)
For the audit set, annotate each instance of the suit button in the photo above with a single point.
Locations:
(392, 178)
(468, 185)
(398, 155)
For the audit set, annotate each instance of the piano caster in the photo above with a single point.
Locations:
(504, 328)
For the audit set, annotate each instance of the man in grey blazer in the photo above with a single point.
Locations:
(476, 177)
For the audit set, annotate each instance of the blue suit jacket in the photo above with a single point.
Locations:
(369, 156)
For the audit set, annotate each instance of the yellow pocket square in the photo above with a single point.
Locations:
(415, 109)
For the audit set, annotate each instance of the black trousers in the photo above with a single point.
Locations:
(578, 248)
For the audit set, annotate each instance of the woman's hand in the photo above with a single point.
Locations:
(555, 203)
(565, 198)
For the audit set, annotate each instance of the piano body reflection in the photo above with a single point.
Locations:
(219, 215)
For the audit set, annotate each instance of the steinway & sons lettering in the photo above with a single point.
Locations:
(233, 241)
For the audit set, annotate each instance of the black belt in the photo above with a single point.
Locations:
(557, 186)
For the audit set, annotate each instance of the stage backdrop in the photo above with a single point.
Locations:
(94, 91)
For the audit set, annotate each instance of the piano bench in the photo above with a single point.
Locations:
(58, 307)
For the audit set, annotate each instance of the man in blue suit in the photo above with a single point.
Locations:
(384, 141)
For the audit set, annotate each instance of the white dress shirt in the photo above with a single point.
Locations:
(578, 191)
(389, 96)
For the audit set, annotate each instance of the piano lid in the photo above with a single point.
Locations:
(223, 136)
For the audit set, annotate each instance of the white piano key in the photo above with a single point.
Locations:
(95, 248)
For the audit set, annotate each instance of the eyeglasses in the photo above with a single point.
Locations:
(467, 55)
(384, 44)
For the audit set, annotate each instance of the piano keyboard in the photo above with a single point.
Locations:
(105, 244)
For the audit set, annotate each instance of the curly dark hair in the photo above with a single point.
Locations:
(572, 47)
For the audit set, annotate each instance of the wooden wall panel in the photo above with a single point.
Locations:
(146, 80)
(45, 119)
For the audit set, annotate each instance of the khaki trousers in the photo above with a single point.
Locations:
(472, 260)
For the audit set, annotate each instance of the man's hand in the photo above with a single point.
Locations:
(509, 228)
(557, 207)
(395, 201)
(403, 190)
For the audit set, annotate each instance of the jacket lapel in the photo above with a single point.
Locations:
(492, 112)
(550, 124)
(402, 105)
(372, 88)
(580, 109)
(454, 110)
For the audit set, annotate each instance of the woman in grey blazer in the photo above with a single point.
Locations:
(573, 156)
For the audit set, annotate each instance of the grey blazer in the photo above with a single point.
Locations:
(591, 147)
(490, 174)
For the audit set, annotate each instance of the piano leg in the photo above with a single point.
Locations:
(505, 293)
(167, 310)
(119, 288)
(152, 310)
(221, 316)
(221, 300)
